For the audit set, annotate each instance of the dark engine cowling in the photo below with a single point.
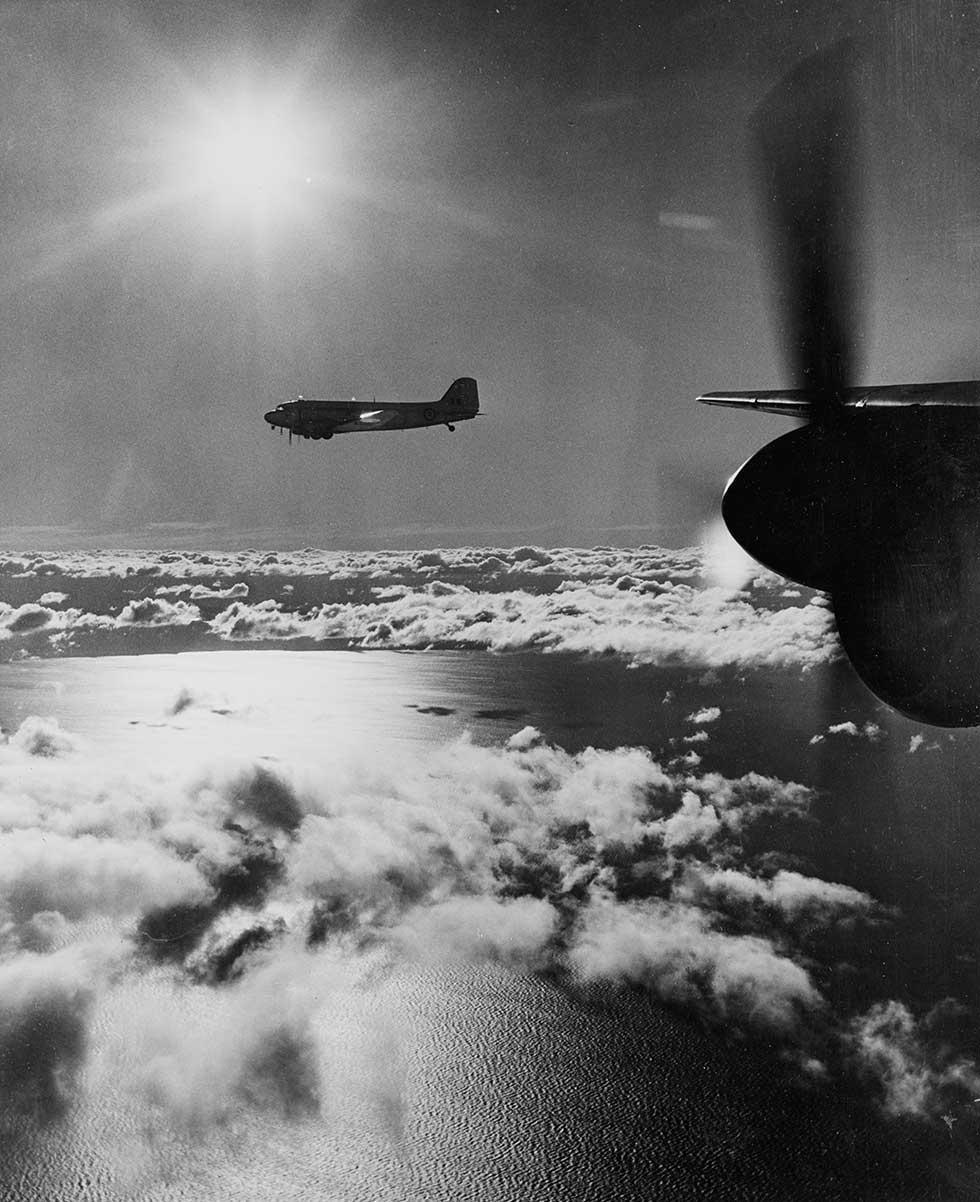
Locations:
(882, 511)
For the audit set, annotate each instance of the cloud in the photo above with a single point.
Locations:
(676, 953)
(797, 898)
(916, 1074)
(44, 737)
(680, 625)
(45, 1003)
(83, 875)
(150, 611)
(870, 730)
(265, 888)
(644, 605)
(694, 822)
(257, 1049)
(262, 621)
(515, 931)
(702, 717)
(31, 619)
(200, 592)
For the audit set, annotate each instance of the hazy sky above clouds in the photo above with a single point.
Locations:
(551, 198)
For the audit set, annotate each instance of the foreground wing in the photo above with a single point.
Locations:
(957, 394)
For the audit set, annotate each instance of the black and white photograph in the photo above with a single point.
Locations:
(489, 600)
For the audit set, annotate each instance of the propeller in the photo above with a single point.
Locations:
(787, 506)
(804, 137)
(809, 487)
(880, 510)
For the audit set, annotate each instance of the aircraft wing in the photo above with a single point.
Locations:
(956, 394)
(792, 404)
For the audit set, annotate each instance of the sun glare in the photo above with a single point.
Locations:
(252, 158)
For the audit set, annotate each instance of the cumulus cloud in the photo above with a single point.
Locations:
(678, 954)
(267, 887)
(917, 1074)
(31, 619)
(85, 875)
(702, 717)
(679, 624)
(201, 592)
(257, 1049)
(153, 611)
(917, 741)
(45, 1002)
(797, 898)
(870, 731)
(514, 930)
(694, 822)
(44, 737)
(645, 605)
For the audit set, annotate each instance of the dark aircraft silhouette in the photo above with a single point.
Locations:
(324, 419)
(877, 498)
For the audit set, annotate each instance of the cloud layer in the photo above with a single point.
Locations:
(269, 889)
(256, 891)
(645, 606)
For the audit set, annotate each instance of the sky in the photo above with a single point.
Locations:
(551, 198)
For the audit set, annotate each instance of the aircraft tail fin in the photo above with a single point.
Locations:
(462, 397)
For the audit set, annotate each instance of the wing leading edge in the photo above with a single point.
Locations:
(957, 394)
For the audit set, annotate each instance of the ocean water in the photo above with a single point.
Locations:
(462, 1080)
(496, 1086)
(385, 698)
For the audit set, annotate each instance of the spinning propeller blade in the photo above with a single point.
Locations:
(804, 138)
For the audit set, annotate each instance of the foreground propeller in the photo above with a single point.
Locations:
(804, 143)
(879, 506)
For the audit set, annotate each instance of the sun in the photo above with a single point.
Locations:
(248, 156)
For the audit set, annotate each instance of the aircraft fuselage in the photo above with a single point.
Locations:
(322, 419)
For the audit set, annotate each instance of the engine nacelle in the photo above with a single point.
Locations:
(883, 513)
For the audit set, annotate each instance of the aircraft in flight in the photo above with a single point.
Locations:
(324, 419)
(876, 500)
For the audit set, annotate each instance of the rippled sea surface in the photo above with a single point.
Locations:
(470, 1081)
(479, 1083)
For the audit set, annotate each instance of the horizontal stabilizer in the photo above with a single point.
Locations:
(959, 394)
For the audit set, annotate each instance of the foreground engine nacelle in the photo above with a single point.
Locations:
(882, 511)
